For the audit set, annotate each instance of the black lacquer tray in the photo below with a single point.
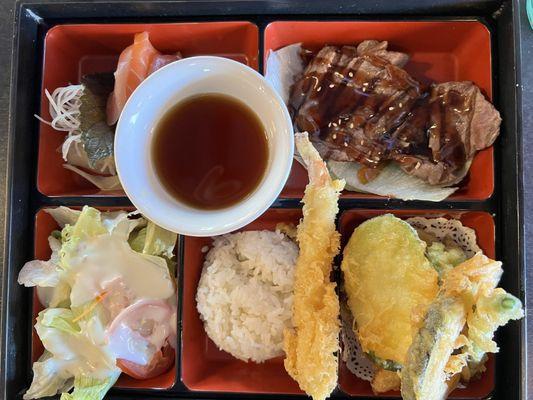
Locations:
(34, 19)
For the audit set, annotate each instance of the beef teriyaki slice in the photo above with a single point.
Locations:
(457, 121)
(350, 104)
(359, 105)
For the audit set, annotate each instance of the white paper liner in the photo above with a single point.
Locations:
(352, 354)
(463, 236)
(283, 67)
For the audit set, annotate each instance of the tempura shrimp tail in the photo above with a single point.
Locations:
(312, 344)
(316, 167)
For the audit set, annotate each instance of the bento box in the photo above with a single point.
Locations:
(59, 43)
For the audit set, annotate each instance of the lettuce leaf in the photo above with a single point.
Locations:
(111, 220)
(155, 241)
(61, 319)
(39, 273)
(52, 376)
(93, 319)
(159, 241)
(57, 296)
(137, 239)
(42, 273)
(64, 215)
(88, 224)
(72, 350)
(120, 223)
(49, 378)
(66, 339)
(88, 388)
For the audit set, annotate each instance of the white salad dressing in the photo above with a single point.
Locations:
(105, 258)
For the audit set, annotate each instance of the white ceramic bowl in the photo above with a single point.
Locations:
(165, 88)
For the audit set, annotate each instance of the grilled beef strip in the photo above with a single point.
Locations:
(459, 122)
(348, 102)
(358, 104)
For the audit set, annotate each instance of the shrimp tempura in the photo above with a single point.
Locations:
(311, 345)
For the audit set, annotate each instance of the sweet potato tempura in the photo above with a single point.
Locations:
(311, 346)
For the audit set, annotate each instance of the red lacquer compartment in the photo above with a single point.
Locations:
(439, 51)
(203, 366)
(44, 225)
(483, 224)
(71, 51)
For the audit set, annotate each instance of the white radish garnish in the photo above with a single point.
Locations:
(64, 108)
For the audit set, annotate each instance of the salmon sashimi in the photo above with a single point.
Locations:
(135, 63)
(161, 60)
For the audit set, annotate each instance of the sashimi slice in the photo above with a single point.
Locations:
(118, 95)
(141, 60)
(134, 65)
(161, 60)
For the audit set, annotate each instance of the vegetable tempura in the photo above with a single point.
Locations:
(458, 330)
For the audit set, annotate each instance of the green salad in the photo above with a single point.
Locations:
(110, 303)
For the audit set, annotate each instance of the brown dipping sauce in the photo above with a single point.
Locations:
(210, 151)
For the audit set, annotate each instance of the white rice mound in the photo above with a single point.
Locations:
(245, 293)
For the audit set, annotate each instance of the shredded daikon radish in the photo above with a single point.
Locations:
(69, 140)
(64, 107)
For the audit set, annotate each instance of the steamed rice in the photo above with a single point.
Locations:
(245, 293)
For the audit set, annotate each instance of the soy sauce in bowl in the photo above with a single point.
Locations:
(210, 151)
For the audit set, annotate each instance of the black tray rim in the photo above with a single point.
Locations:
(12, 211)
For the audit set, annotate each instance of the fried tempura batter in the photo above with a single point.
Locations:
(389, 283)
(458, 330)
(311, 346)
(385, 381)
